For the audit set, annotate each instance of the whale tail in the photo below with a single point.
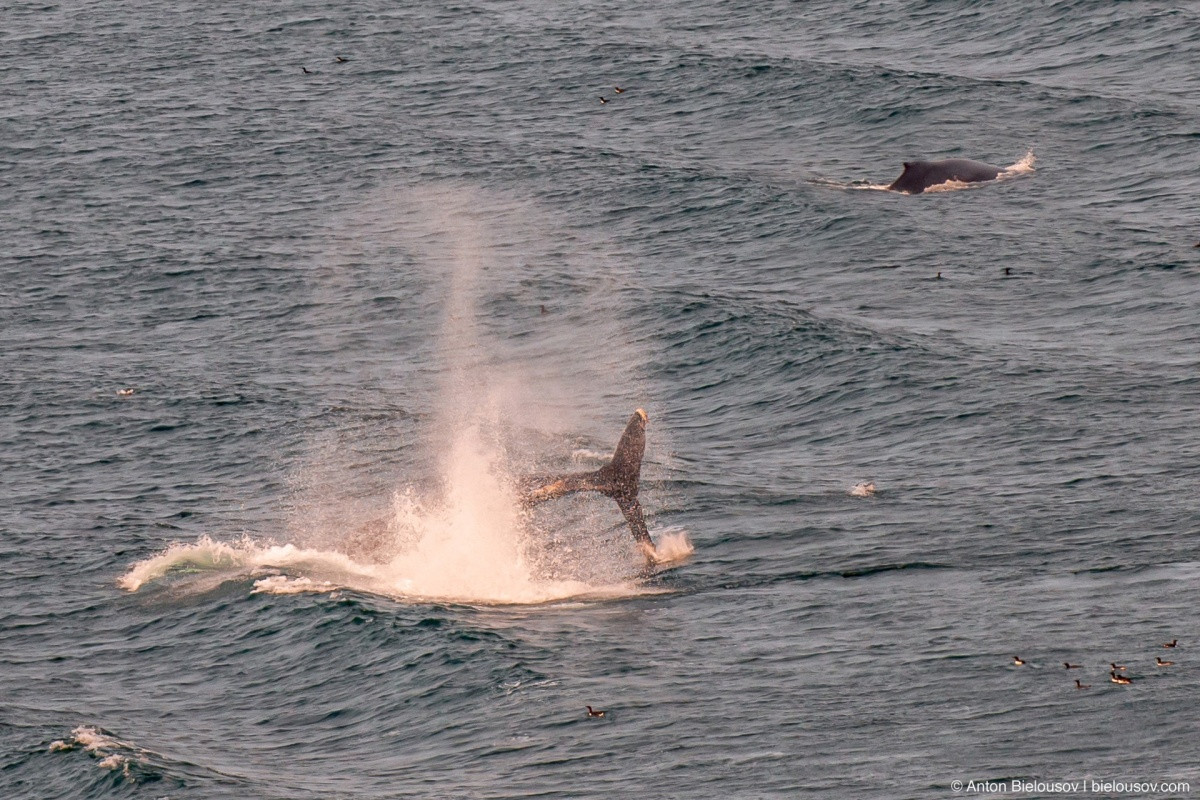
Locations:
(619, 479)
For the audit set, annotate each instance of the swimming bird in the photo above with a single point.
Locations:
(305, 70)
(124, 392)
(1017, 662)
(1171, 643)
(1159, 662)
(1121, 679)
(618, 89)
(1117, 667)
(592, 712)
(1079, 685)
(1069, 665)
(340, 60)
(1008, 270)
(866, 489)
(602, 99)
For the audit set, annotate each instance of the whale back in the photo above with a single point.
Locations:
(920, 175)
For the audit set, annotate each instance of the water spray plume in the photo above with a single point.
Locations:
(466, 538)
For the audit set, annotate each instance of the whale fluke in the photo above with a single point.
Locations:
(619, 479)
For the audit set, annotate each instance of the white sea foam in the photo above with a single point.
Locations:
(114, 762)
(113, 754)
(953, 186)
(864, 489)
(208, 555)
(282, 584)
(95, 740)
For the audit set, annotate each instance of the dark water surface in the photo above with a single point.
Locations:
(381, 289)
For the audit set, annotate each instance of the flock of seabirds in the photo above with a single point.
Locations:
(1114, 671)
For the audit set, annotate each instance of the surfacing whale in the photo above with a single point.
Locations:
(619, 479)
(920, 175)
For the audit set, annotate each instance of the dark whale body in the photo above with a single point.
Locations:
(619, 479)
(920, 175)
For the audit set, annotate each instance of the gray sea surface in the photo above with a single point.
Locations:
(291, 295)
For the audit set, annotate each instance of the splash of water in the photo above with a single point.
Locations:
(469, 545)
(1025, 165)
(466, 540)
(209, 556)
(672, 546)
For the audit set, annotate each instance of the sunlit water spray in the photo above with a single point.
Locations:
(463, 539)
(469, 544)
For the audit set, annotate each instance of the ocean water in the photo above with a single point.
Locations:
(278, 331)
